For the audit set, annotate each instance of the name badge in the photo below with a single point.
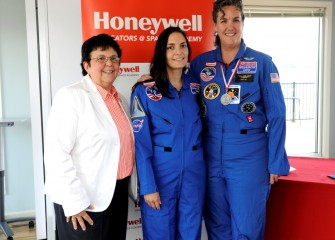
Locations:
(234, 91)
(244, 78)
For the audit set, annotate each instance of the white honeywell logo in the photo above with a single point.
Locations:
(102, 20)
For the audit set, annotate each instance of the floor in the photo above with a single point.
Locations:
(21, 231)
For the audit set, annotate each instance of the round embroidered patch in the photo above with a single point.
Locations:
(153, 93)
(248, 107)
(207, 74)
(211, 91)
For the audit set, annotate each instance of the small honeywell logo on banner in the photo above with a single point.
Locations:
(137, 24)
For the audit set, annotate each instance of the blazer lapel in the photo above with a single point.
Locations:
(97, 101)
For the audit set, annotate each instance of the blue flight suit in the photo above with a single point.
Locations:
(243, 141)
(169, 158)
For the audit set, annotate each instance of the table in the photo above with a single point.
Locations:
(301, 206)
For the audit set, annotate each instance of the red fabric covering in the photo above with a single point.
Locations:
(301, 205)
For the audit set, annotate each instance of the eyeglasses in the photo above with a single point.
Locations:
(104, 59)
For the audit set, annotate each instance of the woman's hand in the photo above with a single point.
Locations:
(80, 219)
(153, 200)
(273, 178)
(144, 77)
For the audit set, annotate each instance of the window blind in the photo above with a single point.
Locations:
(260, 11)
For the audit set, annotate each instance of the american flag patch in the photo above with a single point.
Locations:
(274, 77)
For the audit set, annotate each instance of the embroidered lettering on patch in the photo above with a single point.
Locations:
(137, 110)
(247, 67)
(210, 64)
(274, 77)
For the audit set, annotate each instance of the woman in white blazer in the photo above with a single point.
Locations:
(89, 152)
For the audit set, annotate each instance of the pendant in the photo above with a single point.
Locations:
(225, 99)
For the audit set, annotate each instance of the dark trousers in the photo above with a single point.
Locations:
(109, 224)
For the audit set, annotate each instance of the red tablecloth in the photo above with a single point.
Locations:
(301, 205)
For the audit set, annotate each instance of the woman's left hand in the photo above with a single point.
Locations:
(80, 218)
(153, 200)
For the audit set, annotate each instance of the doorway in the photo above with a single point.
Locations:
(16, 137)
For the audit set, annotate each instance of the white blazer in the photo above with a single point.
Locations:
(82, 149)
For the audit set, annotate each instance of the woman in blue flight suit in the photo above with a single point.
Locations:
(167, 127)
(245, 124)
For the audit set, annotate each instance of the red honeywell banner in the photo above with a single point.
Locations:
(137, 24)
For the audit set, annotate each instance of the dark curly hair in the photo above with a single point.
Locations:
(218, 7)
